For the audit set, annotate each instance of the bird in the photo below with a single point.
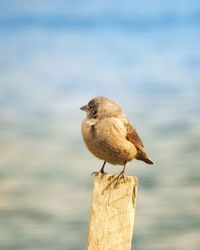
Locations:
(109, 135)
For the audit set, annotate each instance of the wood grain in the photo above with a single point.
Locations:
(112, 213)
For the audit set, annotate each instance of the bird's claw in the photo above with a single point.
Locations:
(94, 173)
(97, 173)
(121, 176)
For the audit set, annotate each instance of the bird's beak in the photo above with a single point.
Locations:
(84, 108)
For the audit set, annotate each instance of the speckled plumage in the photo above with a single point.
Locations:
(109, 135)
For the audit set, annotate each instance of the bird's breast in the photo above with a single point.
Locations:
(106, 139)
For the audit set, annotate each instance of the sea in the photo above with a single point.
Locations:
(57, 55)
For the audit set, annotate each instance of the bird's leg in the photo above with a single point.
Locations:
(101, 170)
(121, 174)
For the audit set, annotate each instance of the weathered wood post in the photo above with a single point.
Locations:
(112, 213)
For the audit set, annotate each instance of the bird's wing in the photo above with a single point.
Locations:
(133, 137)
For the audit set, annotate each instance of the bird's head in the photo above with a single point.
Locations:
(101, 107)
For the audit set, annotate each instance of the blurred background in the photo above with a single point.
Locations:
(54, 57)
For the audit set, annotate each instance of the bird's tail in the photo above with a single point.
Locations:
(142, 156)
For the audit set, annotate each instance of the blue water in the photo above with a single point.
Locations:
(55, 56)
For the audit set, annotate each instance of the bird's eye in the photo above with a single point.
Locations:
(91, 104)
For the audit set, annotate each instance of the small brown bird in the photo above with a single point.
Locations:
(109, 135)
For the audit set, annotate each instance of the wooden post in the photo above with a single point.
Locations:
(112, 213)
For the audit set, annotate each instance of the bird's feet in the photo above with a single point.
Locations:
(121, 176)
(101, 170)
(96, 173)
